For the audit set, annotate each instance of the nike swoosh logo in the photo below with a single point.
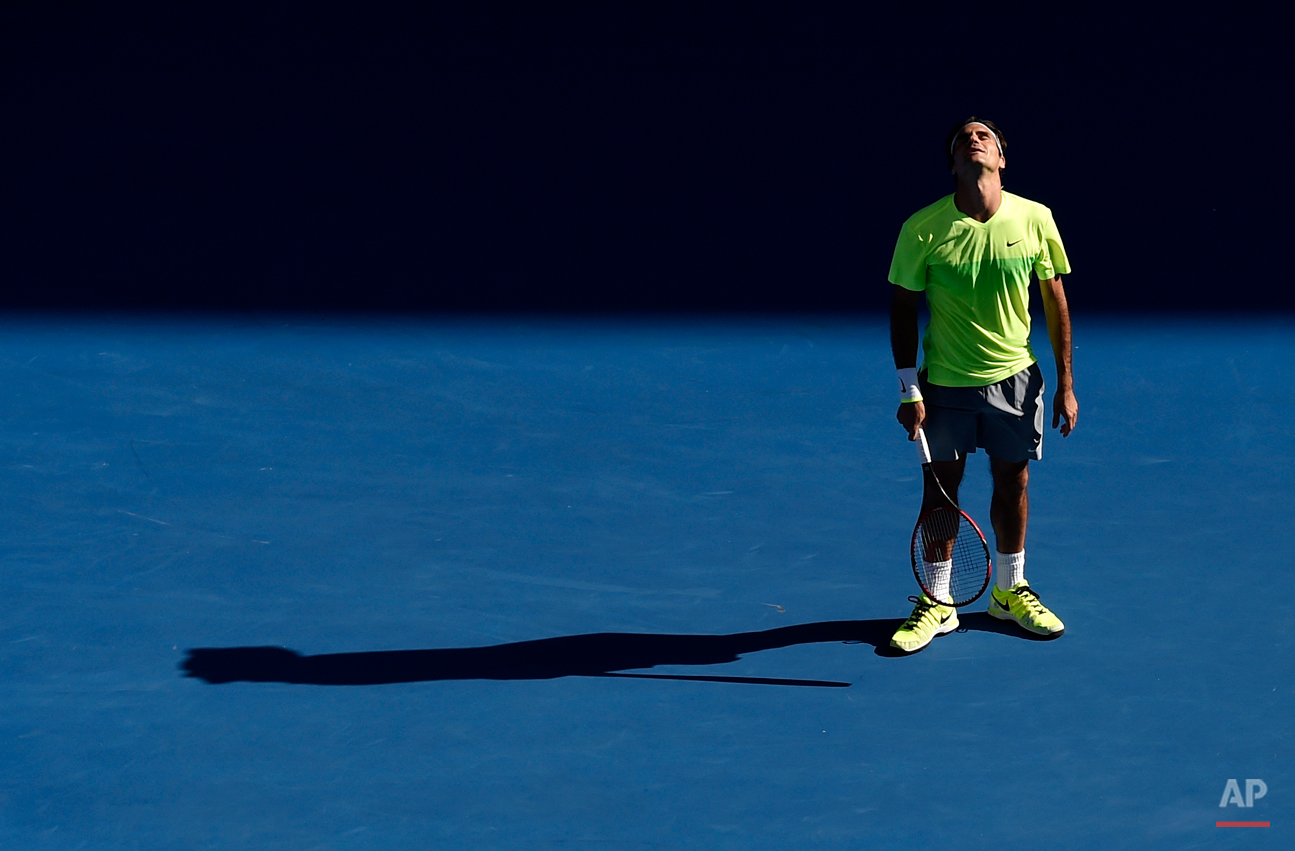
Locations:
(1010, 244)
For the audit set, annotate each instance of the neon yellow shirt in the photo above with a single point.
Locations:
(976, 277)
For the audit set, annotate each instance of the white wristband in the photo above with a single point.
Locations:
(908, 389)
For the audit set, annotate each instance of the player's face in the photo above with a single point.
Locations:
(976, 144)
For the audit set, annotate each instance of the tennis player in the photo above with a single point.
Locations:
(979, 387)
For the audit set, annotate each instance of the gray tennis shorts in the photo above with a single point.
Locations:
(1004, 419)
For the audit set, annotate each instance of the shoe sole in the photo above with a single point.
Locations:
(947, 627)
(996, 612)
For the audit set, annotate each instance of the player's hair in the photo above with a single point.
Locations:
(957, 128)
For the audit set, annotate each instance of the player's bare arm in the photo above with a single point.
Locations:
(903, 348)
(1065, 408)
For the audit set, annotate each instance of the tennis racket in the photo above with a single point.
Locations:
(950, 555)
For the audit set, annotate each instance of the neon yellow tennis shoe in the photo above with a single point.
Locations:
(928, 620)
(1022, 605)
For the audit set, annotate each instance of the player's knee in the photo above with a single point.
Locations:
(1010, 478)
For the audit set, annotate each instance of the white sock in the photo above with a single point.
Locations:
(937, 576)
(1011, 570)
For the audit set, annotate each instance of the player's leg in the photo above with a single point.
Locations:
(1009, 507)
(950, 475)
(950, 429)
(950, 434)
(1012, 434)
(937, 554)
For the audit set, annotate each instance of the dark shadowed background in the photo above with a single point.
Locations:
(619, 157)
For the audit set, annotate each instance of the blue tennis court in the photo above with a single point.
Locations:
(281, 581)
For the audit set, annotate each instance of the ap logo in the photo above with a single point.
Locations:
(1232, 793)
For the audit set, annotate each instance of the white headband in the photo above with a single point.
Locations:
(997, 141)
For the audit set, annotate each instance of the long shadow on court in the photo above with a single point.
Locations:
(607, 654)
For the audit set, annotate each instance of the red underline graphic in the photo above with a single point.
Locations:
(1242, 824)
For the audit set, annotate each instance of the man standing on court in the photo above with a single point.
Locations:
(979, 385)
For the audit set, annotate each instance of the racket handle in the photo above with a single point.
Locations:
(923, 450)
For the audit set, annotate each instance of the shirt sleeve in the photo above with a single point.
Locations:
(1052, 260)
(908, 265)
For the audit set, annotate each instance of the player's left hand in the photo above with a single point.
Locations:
(1065, 411)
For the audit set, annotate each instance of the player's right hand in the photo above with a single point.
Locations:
(911, 415)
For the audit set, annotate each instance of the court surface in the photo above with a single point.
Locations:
(323, 583)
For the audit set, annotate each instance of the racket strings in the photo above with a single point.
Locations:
(950, 557)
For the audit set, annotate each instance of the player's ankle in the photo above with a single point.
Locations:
(1011, 570)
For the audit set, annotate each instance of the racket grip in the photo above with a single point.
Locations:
(923, 450)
